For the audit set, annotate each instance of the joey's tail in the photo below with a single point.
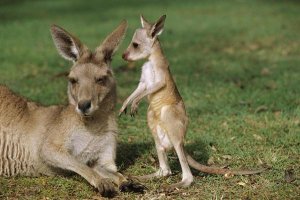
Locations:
(215, 170)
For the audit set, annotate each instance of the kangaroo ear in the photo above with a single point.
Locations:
(68, 46)
(145, 23)
(111, 43)
(158, 27)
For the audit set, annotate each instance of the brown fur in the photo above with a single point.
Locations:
(167, 118)
(80, 137)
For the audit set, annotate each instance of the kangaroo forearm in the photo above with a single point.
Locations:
(67, 162)
(115, 176)
(151, 90)
(139, 90)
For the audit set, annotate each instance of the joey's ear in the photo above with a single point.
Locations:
(145, 23)
(158, 27)
(67, 45)
(111, 43)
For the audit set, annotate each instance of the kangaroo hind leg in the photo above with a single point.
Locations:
(164, 168)
(176, 130)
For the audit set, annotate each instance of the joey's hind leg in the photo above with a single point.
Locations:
(164, 168)
(176, 128)
(187, 177)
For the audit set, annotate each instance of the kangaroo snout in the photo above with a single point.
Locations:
(84, 106)
(125, 55)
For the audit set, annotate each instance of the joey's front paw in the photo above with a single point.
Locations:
(134, 108)
(107, 188)
(123, 110)
(132, 186)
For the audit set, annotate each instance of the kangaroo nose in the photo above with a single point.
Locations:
(124, 56)
(83, 106)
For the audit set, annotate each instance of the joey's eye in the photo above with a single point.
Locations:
(73, 81)
(101, 80)
(135, 45)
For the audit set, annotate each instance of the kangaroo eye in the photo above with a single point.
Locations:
(101, 80)
(135, 45)
(73, 81)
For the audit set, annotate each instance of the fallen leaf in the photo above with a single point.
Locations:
(232, 138)
(265, 71)
(211, 161)
(245, 103)
(229, 50)
(239, 83)
(261, 109)
(227, 157)
(289, 175)
(130, 139)
(277, 114)
(152, 160)
(212, 147)
(257, 137)
(241, 183)
(253, 46)
(271, 85)
(97, 197)
(228, 175)
(225, 125)
(260, 162)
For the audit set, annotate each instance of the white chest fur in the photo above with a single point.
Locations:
(150, 75)
(85, 145)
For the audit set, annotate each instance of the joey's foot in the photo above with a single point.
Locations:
(176, 186)
(107, 188)
(132, 185)
(158, 174)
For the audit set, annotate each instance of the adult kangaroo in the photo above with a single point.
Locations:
(79, 137)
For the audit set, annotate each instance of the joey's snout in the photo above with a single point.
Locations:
(84, 107)
(125, 55)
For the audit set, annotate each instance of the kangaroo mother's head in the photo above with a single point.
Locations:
(91, 78)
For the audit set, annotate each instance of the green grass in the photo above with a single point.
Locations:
(236, 64)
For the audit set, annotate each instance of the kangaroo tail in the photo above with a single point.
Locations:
(215, 170)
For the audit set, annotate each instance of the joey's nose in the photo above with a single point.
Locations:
(83, 106)
(125, 55)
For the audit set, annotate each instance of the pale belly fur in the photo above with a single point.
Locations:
(87, 147)
(150, 77)
(163, 138)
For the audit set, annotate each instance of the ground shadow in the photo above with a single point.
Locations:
(128, 153)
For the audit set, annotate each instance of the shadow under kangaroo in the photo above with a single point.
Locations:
(129, 153)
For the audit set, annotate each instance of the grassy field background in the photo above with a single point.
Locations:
(236, 64)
